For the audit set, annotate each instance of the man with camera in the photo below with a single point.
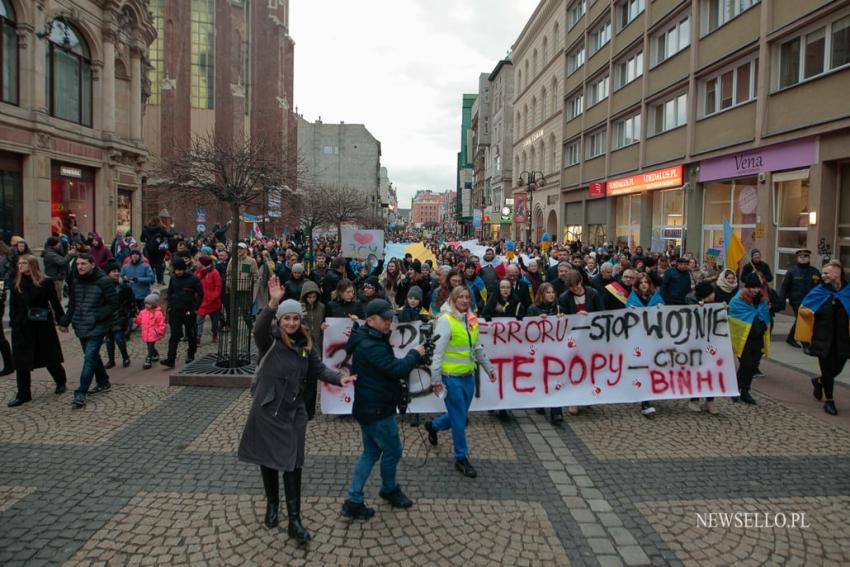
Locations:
(377, 393)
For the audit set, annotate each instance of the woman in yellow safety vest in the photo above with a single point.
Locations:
(456, 355)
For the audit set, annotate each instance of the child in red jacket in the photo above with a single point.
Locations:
(152, 322)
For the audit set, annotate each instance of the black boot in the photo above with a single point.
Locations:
(271, 484)
(6, 352)
(292, 490)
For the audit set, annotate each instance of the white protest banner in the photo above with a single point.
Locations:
(622, 356)
(360, 243)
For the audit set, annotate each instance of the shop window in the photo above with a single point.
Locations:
(627, 217)
(668, 217)
(72, 199)
(572, 233)
(68, 74)
(735, 200)
(8, 54)
(791, 217)
(11, 207)
(843, 249)
(124, 211)
(596, 235)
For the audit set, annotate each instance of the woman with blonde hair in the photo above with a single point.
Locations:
(33, 310)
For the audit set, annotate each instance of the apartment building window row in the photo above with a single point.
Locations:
(8, 54)
(628, 11)
(572, 153)
(575, 12)
(596, 143)
(600, 36)
(670, 41)
(629, 69)
(626, 131)
(575, 59)
(575, 106)
(671, 113)
(730, 87)
(597, 91)
(715, 13)
(815, 53)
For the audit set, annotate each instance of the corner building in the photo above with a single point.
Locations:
(680, 113)
(538, 125)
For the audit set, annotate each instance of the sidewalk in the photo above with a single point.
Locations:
(784, 354)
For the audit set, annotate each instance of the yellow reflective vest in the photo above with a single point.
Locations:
(458, 358)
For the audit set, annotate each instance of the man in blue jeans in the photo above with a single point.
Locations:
(93, 302)
(376, 395)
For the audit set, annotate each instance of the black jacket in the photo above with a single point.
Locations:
(378, 389)
(185, 293)
(406, 283)
(799, 281)
(126, 306)
(831, 332)
(93, 302)
(35, 344)
(592, 301)
(762, 267)
(497, 308)
(329, 283)
(341, 308)
(293, 287)
(675, 286)
(523, 291)
(544, 309)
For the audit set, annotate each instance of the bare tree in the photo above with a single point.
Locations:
(311, 211)
(240, 173)
(342, 205)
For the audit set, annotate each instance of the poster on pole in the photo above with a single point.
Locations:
(623, 356)
(361, 243)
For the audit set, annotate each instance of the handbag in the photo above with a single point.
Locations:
(38, 314)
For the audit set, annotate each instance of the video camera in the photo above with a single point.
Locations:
(429, 341)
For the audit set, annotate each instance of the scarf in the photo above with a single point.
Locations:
(726, 286)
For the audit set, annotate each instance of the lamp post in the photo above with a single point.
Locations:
(533, 179)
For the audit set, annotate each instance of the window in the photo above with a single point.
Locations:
(575, 12)
(330, 150)
(597, 91)
(715, 13)
(553, 147)
(575, 106)
(544, 103)
(556, 37)
(203, 53)
(8, 54)
(627, 131)
(671, 113)
(628, 11)
(545, 50)
(534, 66)
(729, 88)
(68, 75)
(629, 69)
(814, 52)
(156, 53)
(533, 111)
(672, 40)
(572, 153)
(600, 36)
(596, 143)
(575, 59)
(556, 101)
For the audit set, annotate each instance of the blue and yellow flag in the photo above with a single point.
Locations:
(813, 301)
(741, 316)
(634, 300)
(733, 246)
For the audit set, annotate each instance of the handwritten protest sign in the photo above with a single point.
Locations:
(360, 243)
(619, 356)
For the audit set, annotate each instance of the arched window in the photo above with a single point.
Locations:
(555, 98)
(518, 82)
(527, 76)
(553, 150)
(516, 169)
(518, 122)
(524, 164)
(533, 111)
(534, 66)
(525, 119)
(545, 50)
(68, 74)
(544, 103)
(8, 54)
(533, 163)
(556, 37)
(544, 165)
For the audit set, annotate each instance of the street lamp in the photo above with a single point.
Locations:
(533, 179)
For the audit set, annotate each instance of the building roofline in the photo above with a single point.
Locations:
(498, 68)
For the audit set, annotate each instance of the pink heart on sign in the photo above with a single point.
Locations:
(362, 237)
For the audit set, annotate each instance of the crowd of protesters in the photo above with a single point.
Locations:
(112, 289)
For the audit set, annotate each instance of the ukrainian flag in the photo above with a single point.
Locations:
(634, 300)
(741, 316)
(813, 301)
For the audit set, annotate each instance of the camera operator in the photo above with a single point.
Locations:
(377, 393)
(456, 356)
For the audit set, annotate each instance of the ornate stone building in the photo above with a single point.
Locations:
(71, 98)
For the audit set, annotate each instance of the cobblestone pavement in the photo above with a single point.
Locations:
(147, 474)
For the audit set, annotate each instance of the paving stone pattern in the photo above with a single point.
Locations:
(148, 475)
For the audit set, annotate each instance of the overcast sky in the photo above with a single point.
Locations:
(401, 67)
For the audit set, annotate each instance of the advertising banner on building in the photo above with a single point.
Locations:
(361, 243)
(520, 208)
(476, 218)
(624, 356)
(788, 155)
(651, 180)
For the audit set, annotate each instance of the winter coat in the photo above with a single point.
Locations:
(211, 284)
(497, 308)
(315, 316)
(544, 309)
(153, 236)
(592, 301)
(831, 331)
(342, 308)
(55, 263)
(798, 282)
(293, 286)
(676, 286)
(762, 267)
(126, 306)
(101, 255)
(185, 293)
(274, 434)
(35, 344)
(152, 323)
(377, 390)
(93, 302)
(141, 276)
